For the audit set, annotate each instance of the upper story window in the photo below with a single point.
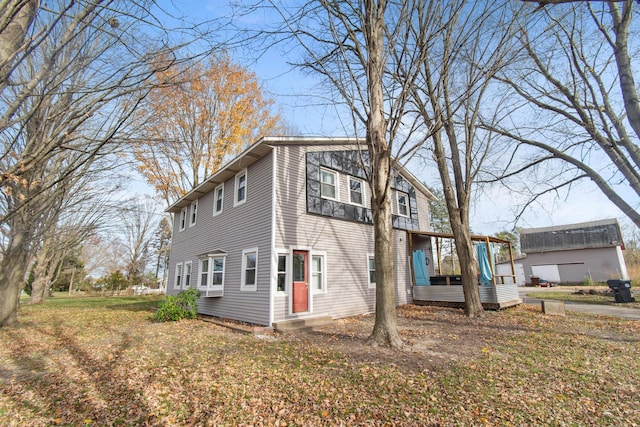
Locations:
(194, 213)
(240, 195)
(183, 218)
(403, 203)
(218, 197)
(356, 191)
(329, 184)
(249, 270)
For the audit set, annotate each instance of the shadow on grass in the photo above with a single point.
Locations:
(72, 385)
(150, 306)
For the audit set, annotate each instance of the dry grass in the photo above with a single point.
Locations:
(104, 362)
(634, 275)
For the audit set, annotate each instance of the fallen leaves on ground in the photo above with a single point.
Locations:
(111, 364)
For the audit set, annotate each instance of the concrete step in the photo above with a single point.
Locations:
(306, 323)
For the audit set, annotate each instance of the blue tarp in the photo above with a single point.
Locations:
(483, 262)
(420, 272)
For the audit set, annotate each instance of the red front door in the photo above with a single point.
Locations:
(300, 281)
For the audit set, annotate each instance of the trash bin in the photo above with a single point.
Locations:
(621, 290)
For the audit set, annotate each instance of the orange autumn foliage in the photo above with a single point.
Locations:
(200, 115)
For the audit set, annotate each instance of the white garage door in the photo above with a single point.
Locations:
(548, 272)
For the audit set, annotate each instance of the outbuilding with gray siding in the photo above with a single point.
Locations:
(574, 253)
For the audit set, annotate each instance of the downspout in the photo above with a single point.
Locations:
(274, 255)
(413, 274)
(438, 255)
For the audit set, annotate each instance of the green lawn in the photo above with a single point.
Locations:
(103, 361)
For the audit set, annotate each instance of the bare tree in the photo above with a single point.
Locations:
(68, 88)
(162, 245)
(575, 103)
(15, 19)
(357, 47)
(138, 221)
(471, 43)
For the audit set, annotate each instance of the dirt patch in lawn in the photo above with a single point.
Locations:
(434, 337)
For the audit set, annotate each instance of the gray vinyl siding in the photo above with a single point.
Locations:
(423, 211)
(574, 266)
(235, 229)
(345, 243)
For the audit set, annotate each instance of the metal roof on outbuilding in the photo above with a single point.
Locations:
(586, 235)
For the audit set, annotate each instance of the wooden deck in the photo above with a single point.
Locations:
(492, 297)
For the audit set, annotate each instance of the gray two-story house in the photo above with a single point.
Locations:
(284, 231)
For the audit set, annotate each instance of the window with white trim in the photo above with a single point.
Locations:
(217, 272)
(187, 275)
(371, 270)
(317, 273)
(249, 270)
(240, 194)
(218, 198)
(328, 184)
(194, 213)
(177, 283)
(281, 281)
(212, 271)
(356, 191)
(203, 280)
(403, 203)
(183, 218)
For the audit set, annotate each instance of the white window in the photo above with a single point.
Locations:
(249, 270)
(217, 272)
(218, 198)
(187, 275)
(328, 184)
(317, 273)
(183, 218)
(212, 271)
(178, 279)
(281, 281)
(203, 280)
(356, 191)
(371, 272)
(240, 195)
(403, 203)
(194, 213)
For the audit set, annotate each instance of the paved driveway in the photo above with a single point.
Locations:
(604, 310)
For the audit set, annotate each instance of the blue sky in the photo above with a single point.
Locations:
(492, 211)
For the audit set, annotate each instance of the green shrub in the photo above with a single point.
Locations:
(176, 307)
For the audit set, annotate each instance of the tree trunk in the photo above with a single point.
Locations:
(458, 208)
(385, 329)
(16, 19)
(464, 249)
(12, 270)
(40, 282)
(73, 273)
